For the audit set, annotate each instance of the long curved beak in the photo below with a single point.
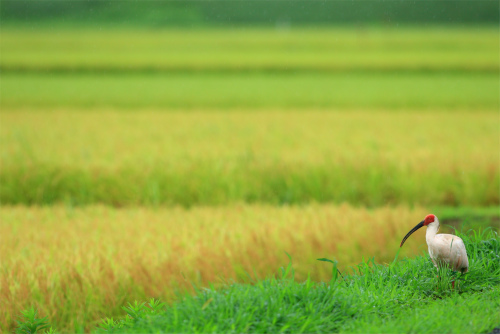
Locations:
(410, 233)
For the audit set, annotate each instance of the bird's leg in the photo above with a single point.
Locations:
(454, 278)
(437, 284)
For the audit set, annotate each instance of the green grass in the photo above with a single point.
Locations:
(394, 91)
(403, 297)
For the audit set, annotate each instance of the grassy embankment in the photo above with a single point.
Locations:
(403, 297)
(85, 121)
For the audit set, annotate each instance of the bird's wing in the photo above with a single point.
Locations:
(463, 264)
(451, 250)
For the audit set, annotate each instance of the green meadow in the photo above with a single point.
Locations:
(154, 163)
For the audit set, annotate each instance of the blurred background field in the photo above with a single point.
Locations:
(251, 49)
(250, 91)
(329, 68)
(143, 147)
(279, 157)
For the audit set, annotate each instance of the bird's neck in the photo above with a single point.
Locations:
(432, 230)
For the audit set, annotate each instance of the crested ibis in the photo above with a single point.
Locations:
(445, 250)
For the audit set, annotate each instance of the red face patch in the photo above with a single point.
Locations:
(429, 219)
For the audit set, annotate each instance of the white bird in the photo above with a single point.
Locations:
(445, 250)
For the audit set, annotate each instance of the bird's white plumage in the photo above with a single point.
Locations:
(446, 249)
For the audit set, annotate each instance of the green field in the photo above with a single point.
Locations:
(338, 68)
(321, 50)
(251, 91)
(136, 162)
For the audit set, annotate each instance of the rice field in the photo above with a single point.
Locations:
(214, 158)
(452, 92)
(78, 265)
(335, 68)
(306, 49)
(135, 163)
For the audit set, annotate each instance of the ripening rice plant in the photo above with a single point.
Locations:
(77, 265)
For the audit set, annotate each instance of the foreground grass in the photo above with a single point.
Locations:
(328, 49)
(278, 157)
(403, 297)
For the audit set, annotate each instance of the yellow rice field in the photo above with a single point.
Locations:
(80, 264)
(110, 139)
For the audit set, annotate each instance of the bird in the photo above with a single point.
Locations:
(445, 250)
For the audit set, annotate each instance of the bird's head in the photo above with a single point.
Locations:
(430, 220)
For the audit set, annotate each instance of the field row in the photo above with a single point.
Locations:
(204, 184)
(190, 158)
(374, 91)
(431, 49)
